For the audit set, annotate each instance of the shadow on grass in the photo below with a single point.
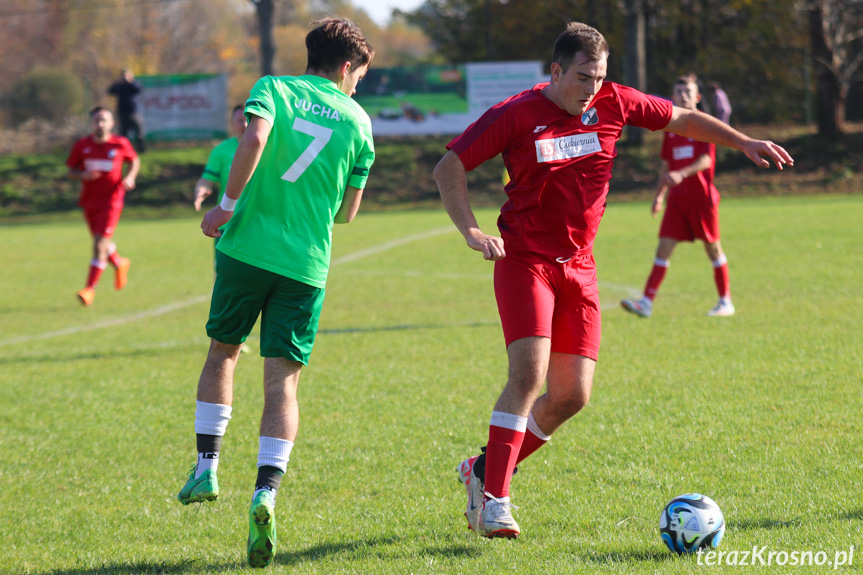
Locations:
(151, 568)
(327, 550)
(616, 557)
(852, 514)
(764, 523)
(407, 327)
(107, 354)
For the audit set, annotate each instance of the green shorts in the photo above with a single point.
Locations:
(289, 309)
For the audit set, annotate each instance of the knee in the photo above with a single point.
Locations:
(572, 403)
(222, 351)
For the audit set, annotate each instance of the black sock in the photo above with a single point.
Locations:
(269, 478)
(209, 444)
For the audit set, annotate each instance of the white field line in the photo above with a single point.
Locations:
(162, 310)
(392, 244)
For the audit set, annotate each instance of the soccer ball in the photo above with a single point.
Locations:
(691, 522)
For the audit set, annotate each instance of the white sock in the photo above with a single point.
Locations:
(210, 419)
(274, 452)
(206, 462)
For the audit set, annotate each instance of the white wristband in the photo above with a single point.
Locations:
(227, 203)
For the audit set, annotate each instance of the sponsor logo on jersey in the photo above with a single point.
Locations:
(98, 165)
(574, 146)
(112, 153)
(590, 117)
(539, 129)
(317, 109)
(683, 152)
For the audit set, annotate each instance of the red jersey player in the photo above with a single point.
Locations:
(558, 145)
(693, 207)
(97, 160)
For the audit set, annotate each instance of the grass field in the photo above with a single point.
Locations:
(760, 411)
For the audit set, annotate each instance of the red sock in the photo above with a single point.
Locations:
(657, 274)
(500, 456)
(530, 444)
(720, 276)
(114, 258)
(96, 269)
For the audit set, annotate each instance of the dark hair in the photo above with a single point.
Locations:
(237, 108)
(98, 109)
(334, 41)
(576, 38)
(687, 79)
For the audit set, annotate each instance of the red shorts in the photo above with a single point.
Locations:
(540, 295)
(103, 220)
(686, 223)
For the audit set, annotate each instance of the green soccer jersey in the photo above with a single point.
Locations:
(320, 143)
(219, 164)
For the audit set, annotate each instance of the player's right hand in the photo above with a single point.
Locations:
(213, 220)
(491, 247)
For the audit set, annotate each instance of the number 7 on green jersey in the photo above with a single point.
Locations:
(321, 136)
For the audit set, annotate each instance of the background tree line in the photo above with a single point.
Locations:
(773, 57)
(779, 60)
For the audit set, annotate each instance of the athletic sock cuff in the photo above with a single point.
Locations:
(534, 428)
(98, 264)
(718, 263)
(274, 452)
(661, 262)
(509, 421)
(211, 418)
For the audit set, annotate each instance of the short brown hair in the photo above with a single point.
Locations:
(576, 38)
(687, 79)
(334, 41)
(98, 109)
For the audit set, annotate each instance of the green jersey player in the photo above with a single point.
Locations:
(300, 167)
(215, 176)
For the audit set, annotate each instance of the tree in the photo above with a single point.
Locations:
(835, 31)
(636, 59)
(265, 10)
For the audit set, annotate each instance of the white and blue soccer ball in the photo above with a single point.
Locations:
(691, 522)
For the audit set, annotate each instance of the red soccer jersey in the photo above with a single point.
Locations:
(559, 164)
(698, 189)
(107, 158)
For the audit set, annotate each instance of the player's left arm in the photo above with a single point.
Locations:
(245, 162)
(704, 128)
(132, 174)
(350, 205)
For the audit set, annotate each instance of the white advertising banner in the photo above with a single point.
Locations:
(184, 106)
(428, 100)
(491, 82)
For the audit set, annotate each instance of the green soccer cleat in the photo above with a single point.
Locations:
(204, 488)
(262, 529)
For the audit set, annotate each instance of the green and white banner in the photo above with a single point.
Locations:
(184, 106)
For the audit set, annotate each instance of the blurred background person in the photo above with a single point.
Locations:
(126, 90)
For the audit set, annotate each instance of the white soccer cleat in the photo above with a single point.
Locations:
(474, 487)
(641, 307)
(722, 309)
(496, 519)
